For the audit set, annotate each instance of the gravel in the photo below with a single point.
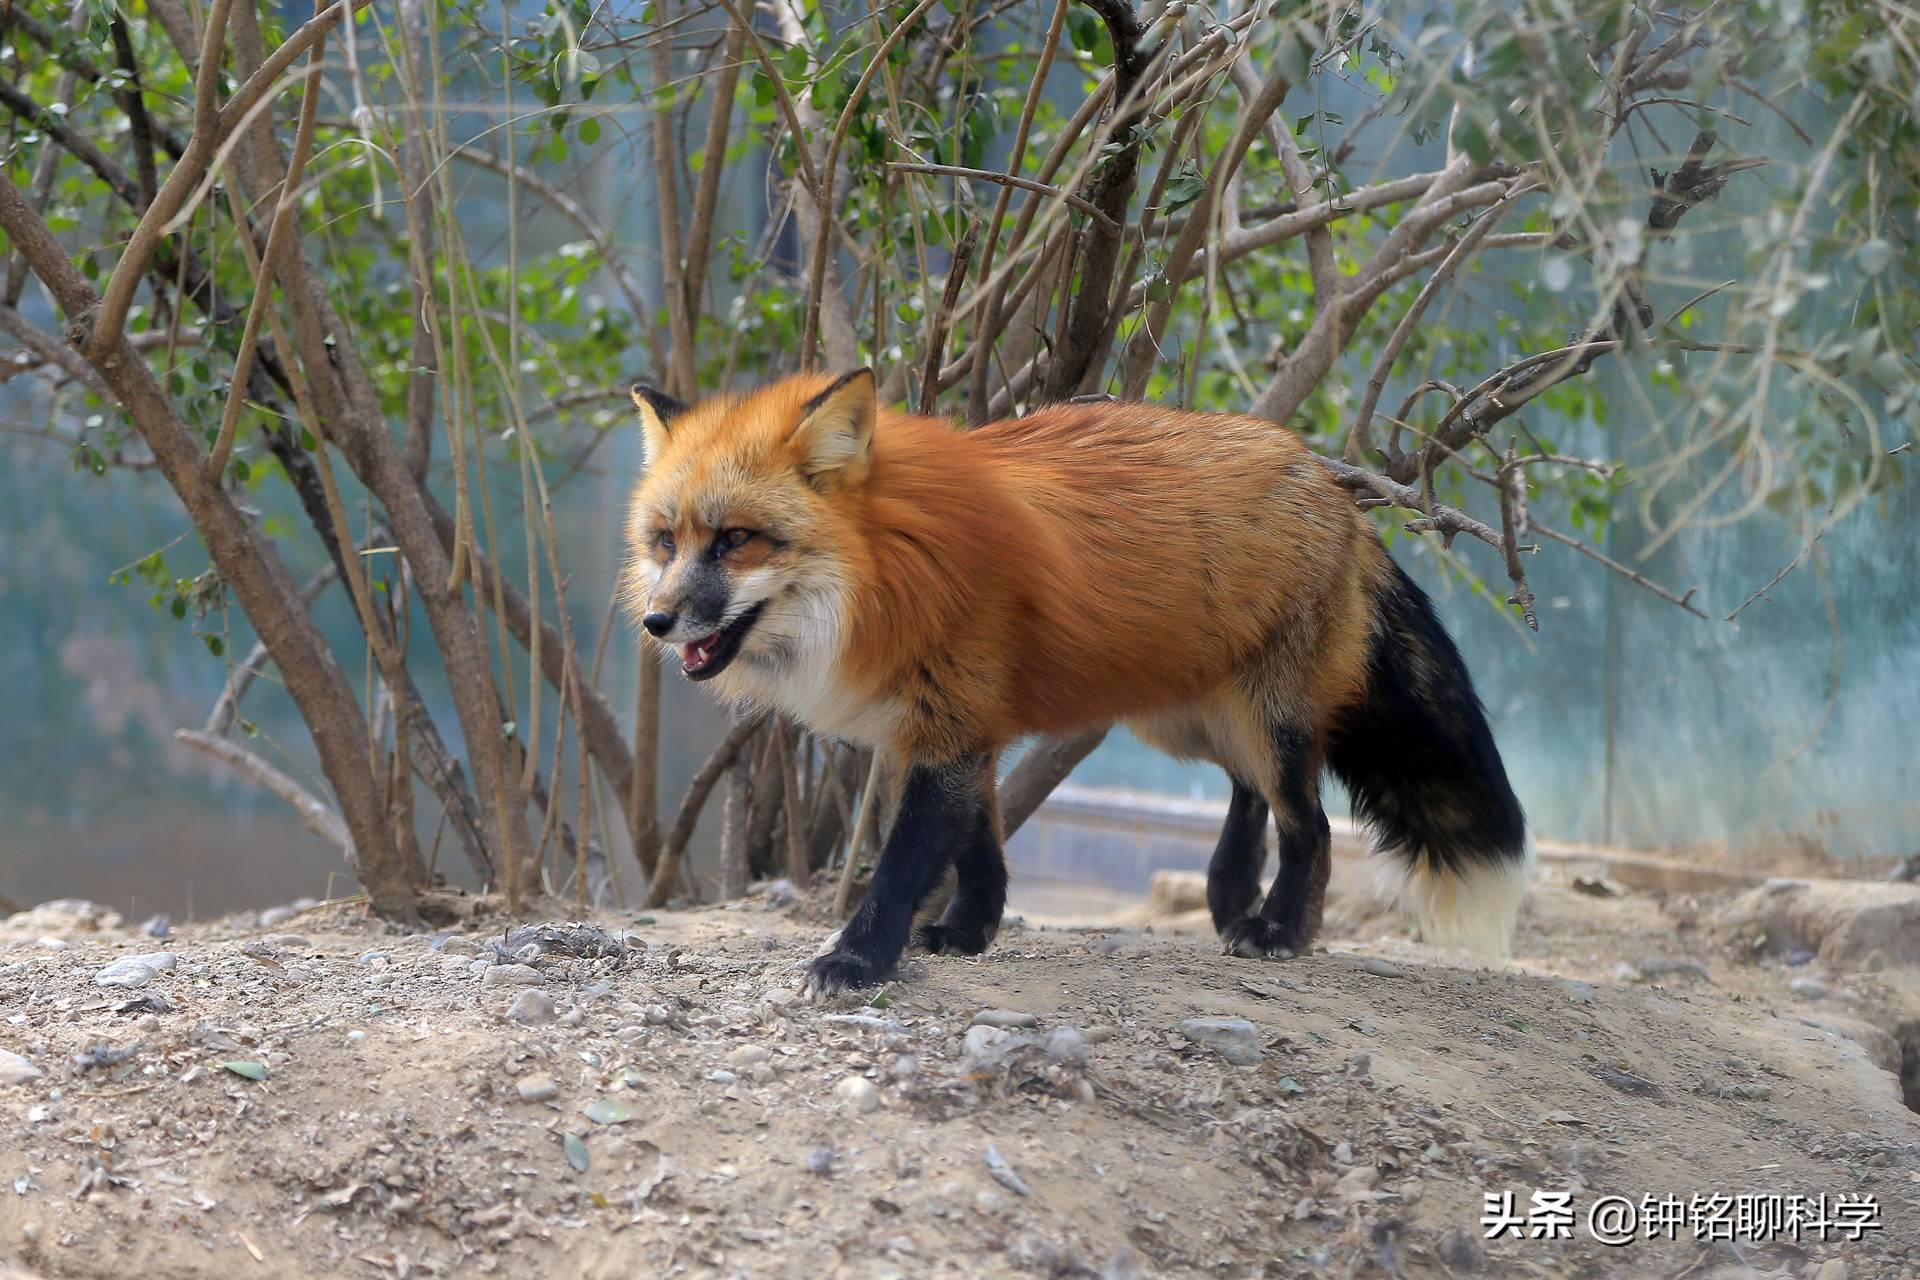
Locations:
(1235, 1039)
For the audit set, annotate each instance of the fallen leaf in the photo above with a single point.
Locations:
(251, 1070)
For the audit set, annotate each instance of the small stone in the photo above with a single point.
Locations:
(288, 942)
(982, 1040)
(375, 957)
(1234, 1039)
(510, 975)
(1460, 1251)
(1808, 988)
(719, 1077)
(748, 1055)
(859, 1093)
(274, 916)
(1832, 1269)
(820, 1161)
(1579, 992)
(157, 926)
(1381, 968)
(531, 1008)
(538, 1089)
(457, 945)
(1343, 1153)
(15, 1069)
(135, 971)
(356, 1036)
(1066, 1047)
(1007, 1019)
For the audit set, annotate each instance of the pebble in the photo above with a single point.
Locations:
(136, 971)
(510, 975)
(1234, 1039)
(457, 945)
(15, 1069)
(720, 1077)
(859, 1093)
(288, 942)
(1579, 992)
(1004, 1018)
(538, 1089)
(820, 1161)
(531, 1008)
(1382, 968)
(356, 1036)
(157, 926)
(748, 1055)
(1808, 988)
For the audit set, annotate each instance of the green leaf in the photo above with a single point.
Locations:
(251, 1070)
(576, 1148)
(1186, 186)
(1291, 1085)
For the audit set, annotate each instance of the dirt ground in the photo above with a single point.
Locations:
(675, 1109)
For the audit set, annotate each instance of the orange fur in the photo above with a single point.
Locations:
(939, 592)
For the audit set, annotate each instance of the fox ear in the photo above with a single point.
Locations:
(657, 409)
(834, 439)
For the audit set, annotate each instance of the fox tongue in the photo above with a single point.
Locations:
(695, 655)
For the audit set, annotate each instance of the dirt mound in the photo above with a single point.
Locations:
(646, 1096)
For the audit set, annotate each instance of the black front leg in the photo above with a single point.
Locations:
(938, 804)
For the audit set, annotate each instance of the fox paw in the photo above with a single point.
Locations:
(838, 971)
(1259, 939)
(956, 940)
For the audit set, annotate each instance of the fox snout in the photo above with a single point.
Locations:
(688, 604)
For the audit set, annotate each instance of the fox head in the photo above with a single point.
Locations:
(737, 531)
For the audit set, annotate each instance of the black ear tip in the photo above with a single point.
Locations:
(659, 401)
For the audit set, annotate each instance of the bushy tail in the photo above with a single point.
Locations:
(1419, 761)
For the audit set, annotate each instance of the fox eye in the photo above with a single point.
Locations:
(732, 539)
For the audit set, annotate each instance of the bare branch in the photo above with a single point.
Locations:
(315, 816)
(704, 780)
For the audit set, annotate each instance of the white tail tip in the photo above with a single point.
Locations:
(1472, 909)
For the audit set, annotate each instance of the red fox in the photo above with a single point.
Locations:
(937, 594)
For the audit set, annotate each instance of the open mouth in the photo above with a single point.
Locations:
(707, 658)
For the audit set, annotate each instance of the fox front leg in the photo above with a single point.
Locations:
(938, 812)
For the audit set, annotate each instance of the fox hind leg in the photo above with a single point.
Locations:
(1233, 874)
(979, 899)
(1289, 917)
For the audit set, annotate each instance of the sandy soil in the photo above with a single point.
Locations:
(675, 1110)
